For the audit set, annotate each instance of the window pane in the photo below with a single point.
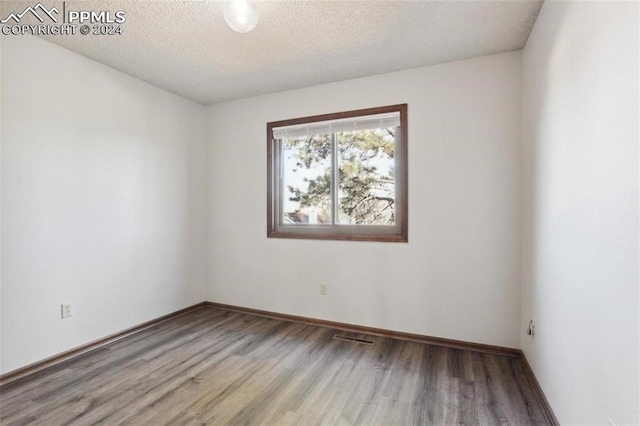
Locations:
(307, 180)
(339, 176)
(366, 177)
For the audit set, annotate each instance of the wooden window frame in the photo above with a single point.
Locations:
(379, 233)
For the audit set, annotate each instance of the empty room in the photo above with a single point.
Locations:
(301, 212)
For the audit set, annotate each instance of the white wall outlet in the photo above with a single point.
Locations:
(531, 330)
(324, 289)
(65, 310)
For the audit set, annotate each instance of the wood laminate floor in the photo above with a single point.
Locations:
(212, 366)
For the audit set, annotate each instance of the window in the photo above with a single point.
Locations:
(339, 176)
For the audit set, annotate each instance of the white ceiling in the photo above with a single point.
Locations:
(186, 47)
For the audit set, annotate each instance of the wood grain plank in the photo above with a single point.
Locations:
(214, 366)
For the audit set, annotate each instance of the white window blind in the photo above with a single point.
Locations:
(377, 121)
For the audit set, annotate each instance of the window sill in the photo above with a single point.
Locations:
(389, 238)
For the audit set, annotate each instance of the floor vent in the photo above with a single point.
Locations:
(353, 339)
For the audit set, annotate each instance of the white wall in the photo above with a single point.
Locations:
(580, 272)
(1, 203)
(459, 275)
(102, 183)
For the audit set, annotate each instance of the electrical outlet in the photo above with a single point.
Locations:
(65, 310)
(531, 331)
(323, 289)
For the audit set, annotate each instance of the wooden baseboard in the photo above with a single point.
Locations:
(439, 341)
(537, 389)
(64, 356)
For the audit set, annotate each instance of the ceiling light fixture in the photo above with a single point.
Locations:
(241, 15)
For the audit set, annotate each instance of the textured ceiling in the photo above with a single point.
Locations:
(186, 47)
